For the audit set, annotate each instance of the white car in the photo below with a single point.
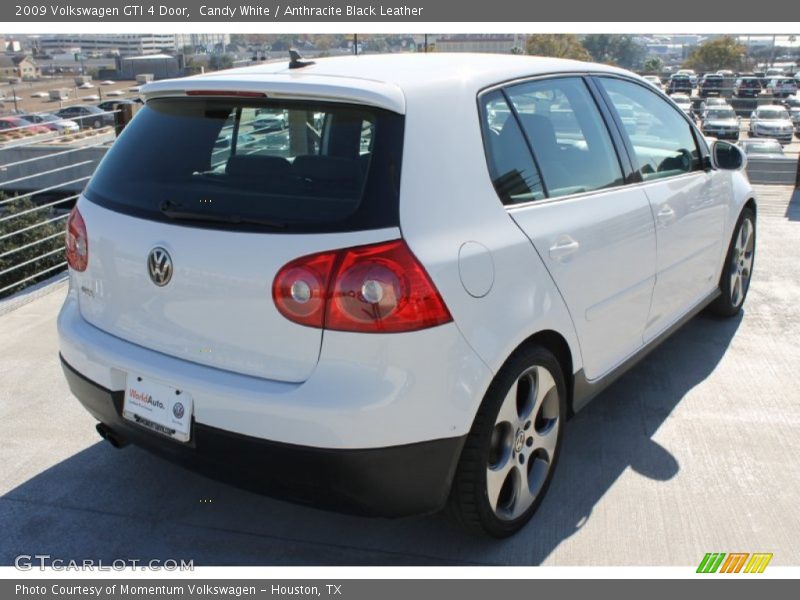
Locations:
(655, 81)
(685, 104)
(400, 307)
(62, 126)
(771, 121)
(782, 87)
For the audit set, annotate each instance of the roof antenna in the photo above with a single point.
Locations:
(296, 61)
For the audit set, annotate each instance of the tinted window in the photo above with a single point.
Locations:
(511, 167)
(662, 139)
(569, 138)
(299, 166)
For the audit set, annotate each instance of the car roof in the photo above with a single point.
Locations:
(384, 80)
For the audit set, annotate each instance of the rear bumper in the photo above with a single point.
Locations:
(392, 481)
(366, 391)
(723, 135)
(784, 138)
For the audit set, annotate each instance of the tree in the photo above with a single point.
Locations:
(220, 61)
(653, 65)
(622, 50)
(16, 249)
(564, 45)
(720, 53)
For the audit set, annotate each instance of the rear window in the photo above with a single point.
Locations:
(252, 164)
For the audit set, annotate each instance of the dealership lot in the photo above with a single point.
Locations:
(693, 451)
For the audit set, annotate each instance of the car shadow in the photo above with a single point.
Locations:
(106, 504)
(793, 208)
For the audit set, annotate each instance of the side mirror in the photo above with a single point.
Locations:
(727, 157)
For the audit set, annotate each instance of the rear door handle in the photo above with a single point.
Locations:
(564, 248)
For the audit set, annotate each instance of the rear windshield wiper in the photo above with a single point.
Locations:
(176, 211)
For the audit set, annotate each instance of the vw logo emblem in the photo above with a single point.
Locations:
(177, 410)
(159, 265)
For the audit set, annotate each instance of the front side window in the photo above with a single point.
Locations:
(662, 139)
(568, 135)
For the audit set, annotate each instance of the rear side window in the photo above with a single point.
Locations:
(568, 135)
(662, 138)
(245, 164)
(511, 166)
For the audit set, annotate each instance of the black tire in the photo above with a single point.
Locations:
(729, 303)
(469, 499)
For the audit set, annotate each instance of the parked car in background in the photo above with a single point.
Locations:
(655, 81)
(792, 102)
(794, 115)
(87, 116)
(52, 122)
(304, 319)
(710, 103)
(765, 148)
(747, 87)
(680, 84)
(771, 121)
(711, 85)
(781, 87)
(721, 122)
(685, 104)
(268, 120)
(11, 124)
(110, 105)
(690, 73)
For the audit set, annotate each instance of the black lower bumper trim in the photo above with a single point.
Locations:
(392, 482)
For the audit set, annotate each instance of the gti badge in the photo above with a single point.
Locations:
(159, 265)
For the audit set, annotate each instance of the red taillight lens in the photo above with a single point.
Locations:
(300, 288)
(77, 241)
(373, 289)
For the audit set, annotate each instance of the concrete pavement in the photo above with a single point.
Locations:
(693, 451)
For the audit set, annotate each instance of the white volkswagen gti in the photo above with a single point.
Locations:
(398, 298)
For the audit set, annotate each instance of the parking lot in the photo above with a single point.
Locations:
(693, 451)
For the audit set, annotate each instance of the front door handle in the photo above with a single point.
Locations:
(564, 248)
(666, 215)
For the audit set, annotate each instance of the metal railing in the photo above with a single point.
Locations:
(41, 176)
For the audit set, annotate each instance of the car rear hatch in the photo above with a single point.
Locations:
(194, 210)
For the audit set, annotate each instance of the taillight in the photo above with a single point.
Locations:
(77, 241)
(380, 288)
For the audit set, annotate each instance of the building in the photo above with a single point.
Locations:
(491, 43)
(18, 67)
(206, 42)
(161, 66)
(124, 44)
(7, 45)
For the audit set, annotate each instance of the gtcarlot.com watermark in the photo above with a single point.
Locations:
(29, 562)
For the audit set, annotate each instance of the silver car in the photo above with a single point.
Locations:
(772, 122)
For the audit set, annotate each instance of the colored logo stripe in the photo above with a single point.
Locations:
(734, 562)
(711, 562)
(758, 562)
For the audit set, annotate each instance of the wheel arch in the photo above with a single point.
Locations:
(555, 343)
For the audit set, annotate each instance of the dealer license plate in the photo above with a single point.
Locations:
(158, 407)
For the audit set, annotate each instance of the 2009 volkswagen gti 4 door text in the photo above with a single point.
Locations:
(380, 284)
